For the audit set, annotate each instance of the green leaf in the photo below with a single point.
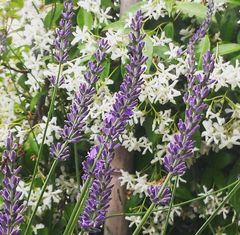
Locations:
(169, 30)
(236, 2)
(192, 9)
(50, 1)
(21, 82)
(227, 48)
(183, 193)
(84, 18)
(105, 72)
(160, 51)
(115, 25)
(228, 24)
(169, 5)
(148, 51)
(36, 99)
(53, 15)
(16, 4)
(235, 201)
(203, 46)
(153, 137)
(133, 202)
(221, 160)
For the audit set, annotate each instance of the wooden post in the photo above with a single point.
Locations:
(122, 160)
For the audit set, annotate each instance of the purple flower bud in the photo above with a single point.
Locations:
(153, 193)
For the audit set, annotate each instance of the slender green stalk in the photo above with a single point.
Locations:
(51, 171)
(170, 207)
(76, 157)
(81, 201)
(80, 207)
(45, 132)
(210, 218)
(177, 205)
(151, 208)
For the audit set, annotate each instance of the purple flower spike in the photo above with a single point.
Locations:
(153, 192)
(11, 214)
(79, 109)
(182, 145)
(61, 42)
(98, 167)
(200, 33)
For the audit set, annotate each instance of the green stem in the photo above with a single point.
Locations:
(177, 205)
(76, 157)
(210, 218)
(82, 198)
(41, 195)
(170, 207)
(151, 208)
(45, 133)
(75, 214)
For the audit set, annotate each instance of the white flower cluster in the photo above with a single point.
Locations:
(154, 9)
(226, 75)
(211, 204)
(51, 130)
(101, 16)
(156, 221)
(50, 195)
(29, 34)
(8, 99)
(131, 143)
(220, 133)
(137, 184)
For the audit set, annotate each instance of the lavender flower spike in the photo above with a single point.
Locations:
(79, 108)
(98, 167)
(182, 145)
(11, 215)
(61, 43)
(200, 33)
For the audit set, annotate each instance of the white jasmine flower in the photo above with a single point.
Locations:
(82, 36)
(134, 220)
(160, 41)
(154, 9)
(52, 129)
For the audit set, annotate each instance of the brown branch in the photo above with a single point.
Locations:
(122, 160)
(14, 69)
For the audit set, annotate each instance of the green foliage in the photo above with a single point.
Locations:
(53, 15)
(192, 9)
(227, 48)
(84, 18)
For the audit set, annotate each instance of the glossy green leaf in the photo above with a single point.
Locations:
(169, 5)
(228, 48)
(192, 9)
(169, 30)
(236, 2)
(84, 18)
(115, 25)
(53, 15)
(148, 51)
